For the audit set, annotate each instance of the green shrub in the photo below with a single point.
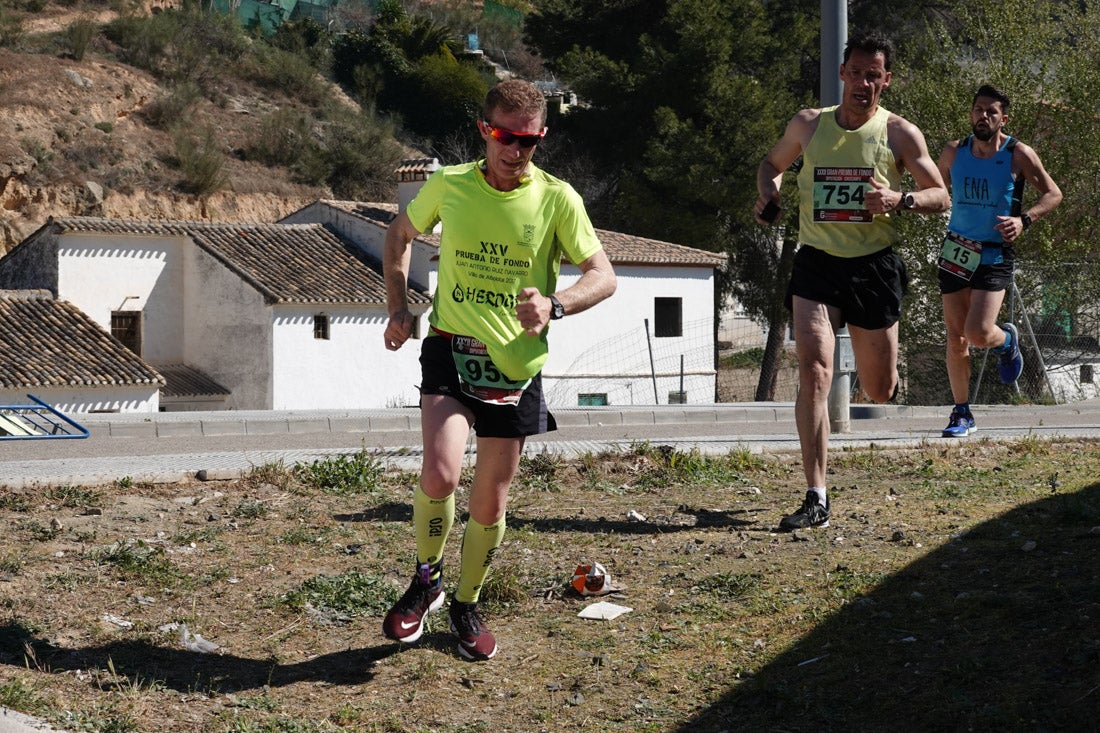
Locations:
(79, 35)
(343, 474)
(11, 29)
(171, 108)
(747, 359)
(305, 37)
(360, 153)
(289, 72)
(139, 561)
(18, 694)
(351, 594)
(285, 138)
(144, 41)
(180, 45)
(443, 97)
(201, 162)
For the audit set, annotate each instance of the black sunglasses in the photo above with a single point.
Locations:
(507, 137)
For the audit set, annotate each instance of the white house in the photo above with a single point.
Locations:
(652, 342)
(52, 350)
(234, 316)
(291, 315)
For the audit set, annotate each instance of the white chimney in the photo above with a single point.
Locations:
(411, 175)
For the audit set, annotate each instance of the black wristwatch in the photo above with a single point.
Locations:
(1025, 220)
(557, 310)
(907, 201)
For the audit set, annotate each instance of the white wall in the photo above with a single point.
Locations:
(228, 334)
(350, 370)
(1066, 384)
(738, 330)
(73, 401)
(604, 350)
(100, 274)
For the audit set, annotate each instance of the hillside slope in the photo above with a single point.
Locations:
(73, 142)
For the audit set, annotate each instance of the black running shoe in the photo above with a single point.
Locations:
(475, 642)
(812, 513)
(405, 621)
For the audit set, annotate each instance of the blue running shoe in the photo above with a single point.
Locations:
(1011, 364)
(959, 425)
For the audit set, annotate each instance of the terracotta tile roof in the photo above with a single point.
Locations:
(628, 249)
(49, 343)
(183, 380)
(416, 169)
(622, 249)
(288, 263)
(379, 214)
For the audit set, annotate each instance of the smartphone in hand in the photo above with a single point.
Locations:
(770, 212)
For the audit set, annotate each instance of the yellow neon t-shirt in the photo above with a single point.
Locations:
(836, 167)
(494, 244)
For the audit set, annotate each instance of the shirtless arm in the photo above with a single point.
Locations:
(911, 152)
(1031, 169)
(596, 283)
(946, 160)
(769, 176)
(395, 268)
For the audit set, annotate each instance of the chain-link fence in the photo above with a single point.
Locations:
(1056, 308)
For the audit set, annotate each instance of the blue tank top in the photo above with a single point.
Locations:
(981, 190)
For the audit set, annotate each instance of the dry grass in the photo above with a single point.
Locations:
(956, 589)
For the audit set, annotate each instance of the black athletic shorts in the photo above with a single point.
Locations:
(867, 290)
(986, 277)
(440, 376)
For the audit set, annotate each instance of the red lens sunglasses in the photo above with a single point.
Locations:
(507, 137)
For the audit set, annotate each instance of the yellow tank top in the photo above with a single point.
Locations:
(836, 167)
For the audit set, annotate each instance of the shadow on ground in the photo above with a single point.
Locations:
(186, 671)
(999, 630)
(699, 517)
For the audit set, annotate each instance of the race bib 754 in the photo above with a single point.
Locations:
(839, 192)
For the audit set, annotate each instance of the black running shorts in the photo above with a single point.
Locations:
(985, 277)
(529, 416)
(867, 290)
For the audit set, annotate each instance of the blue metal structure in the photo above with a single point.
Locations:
(39, 421)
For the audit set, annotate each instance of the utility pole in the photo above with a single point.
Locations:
(834, 34)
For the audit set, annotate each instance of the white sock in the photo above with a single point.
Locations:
(821, 496)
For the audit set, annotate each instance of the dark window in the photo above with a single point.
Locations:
(668, 317)
(1086, 374)
(320, 326)
(126, 327)
(592, 399)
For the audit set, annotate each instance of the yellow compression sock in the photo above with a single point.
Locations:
(479, 543)
(432, 521)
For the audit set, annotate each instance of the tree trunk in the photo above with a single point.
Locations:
(777, 330)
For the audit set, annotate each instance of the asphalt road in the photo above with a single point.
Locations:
(168, 447)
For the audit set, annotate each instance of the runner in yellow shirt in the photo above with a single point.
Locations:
(846, 271)
(506, 226)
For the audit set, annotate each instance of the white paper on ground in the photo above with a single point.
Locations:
(603, 610)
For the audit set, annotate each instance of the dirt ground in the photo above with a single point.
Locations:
(956, 588)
